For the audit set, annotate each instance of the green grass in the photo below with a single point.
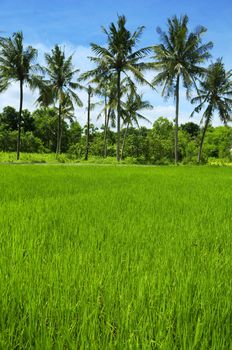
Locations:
(115, 257)
(50, 158)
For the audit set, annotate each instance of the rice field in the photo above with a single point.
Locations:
(97, 257)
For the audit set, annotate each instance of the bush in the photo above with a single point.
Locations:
(219, 162)
(76, 151)
(31, 143)
(61, 158)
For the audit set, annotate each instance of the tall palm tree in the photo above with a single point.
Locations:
(17, 64)
(119, 57)
(179, 58)
(131, 113)
(58, 85)
(215, 92)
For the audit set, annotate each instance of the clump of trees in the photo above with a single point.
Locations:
(178, 61)
(153, 145)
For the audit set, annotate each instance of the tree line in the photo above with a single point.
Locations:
(141, 145)
(178, 61)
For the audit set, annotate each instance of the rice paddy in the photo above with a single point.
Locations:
(115, 257)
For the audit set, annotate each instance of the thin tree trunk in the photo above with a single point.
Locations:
(105, 130)
(58, 146)
(105, 136)
(177, 118)
(124, 139)
(202, 140)
(119, 114)
(88, 126)
(61, 134)
(20, 120)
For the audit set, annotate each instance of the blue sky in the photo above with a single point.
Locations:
(76, 23)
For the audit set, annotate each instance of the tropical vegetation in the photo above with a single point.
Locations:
(120, 68)
(17, 64)
(58, 86)
(215, 92)
(180, 58)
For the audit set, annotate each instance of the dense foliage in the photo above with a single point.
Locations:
(153, 145)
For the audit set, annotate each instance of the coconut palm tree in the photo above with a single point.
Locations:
(215, 92)
(58, 85)
(179, 58)
(67, 112)
(17, 64)
(119, 57)
(131, 113)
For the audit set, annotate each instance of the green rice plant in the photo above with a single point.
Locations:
(108, 257)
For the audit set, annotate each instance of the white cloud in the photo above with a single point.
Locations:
(164, 111)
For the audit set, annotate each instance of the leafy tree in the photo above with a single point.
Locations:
(218, 142)
(191, 128)
(161, 142)
(30, 143)
(215, 93)
(178, 58)
(75, 132)
(119, 57)
(9, 118)
(8, 140)
(27, 121)
(17, 64)
(137, 145)
(45, 120)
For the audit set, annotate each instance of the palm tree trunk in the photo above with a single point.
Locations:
(58, 146)
(119, 114)
(105, 130)
(202, 140)
(88, 126)
(61, 133)
(177, 118)
(20, 119)
(124, 138)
